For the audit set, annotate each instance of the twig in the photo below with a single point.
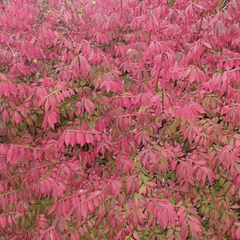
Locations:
(229, 59)
(14, 55)
(121, 2)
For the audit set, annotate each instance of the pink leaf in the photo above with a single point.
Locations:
(67, 138)
(238, 233)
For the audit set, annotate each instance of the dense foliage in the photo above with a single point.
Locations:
(119, 119)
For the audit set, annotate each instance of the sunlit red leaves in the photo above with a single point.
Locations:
(11, 153)
(203, 173)
(42, 222)
(3, 222)
(163, 211)
(82, 137)
(103, 147)
(189, 223)
(219, 28)
(51, 100)
(112, 188)
(238, 233)
(124, 121)
(80, 66)
(90, 99)
(151, 24)
(132, 184)
(58, 190)
(126, 100)
(124, 163)
(142, 137)
(85, 104)
(227, 221)
(185, 173)
(75, 235)
(231, 113)
(62, 225)
(193, 75)
(160, 71)
(50, 119)
(228, 156)
(232, 93)
(218, 82)
(8, 221)
(190, 111)
(126, 144)
(48, 36)
(8, 88)
(135, 216)
(147, 156)
(195, 136)
(111, 82)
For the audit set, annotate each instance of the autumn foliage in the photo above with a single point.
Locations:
(119, 120)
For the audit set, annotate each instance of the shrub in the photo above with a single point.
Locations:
(119, 119)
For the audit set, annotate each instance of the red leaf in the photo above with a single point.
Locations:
(207, 45)
(9, 154)
(17, 118)
(152, 184)
(67, 138)
(198, 107)
(75, 235)
(62, 224)
(47, 105)
(89, 138)
(51, 119)
(238, 233)
(3, 222)
(119, 234)
(80, 138)
(84, 209)
(89, 106)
